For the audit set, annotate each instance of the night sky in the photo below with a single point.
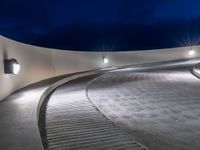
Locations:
(102, 25)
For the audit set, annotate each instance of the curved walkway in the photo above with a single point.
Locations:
(161, 108)
(85, 126)
(73, 123)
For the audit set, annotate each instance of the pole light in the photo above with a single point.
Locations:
(11, 66)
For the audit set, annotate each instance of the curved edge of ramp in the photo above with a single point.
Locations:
(196, 70)
(41, 108)
(105, 124)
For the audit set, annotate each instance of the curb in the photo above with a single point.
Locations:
(196, 70)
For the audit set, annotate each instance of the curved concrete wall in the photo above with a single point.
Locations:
(41, 63)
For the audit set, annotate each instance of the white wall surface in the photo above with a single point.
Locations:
(41, 63)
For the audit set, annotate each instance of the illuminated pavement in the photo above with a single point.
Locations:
(117, 110)
(18, 121)
(73, 123)
(160, 109)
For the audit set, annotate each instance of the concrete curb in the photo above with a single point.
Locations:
(196, 71)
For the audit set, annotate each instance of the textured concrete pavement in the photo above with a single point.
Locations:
(161, 109)
(73, 123)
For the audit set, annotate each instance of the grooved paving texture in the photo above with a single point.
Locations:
(73, 123)
(160, 109)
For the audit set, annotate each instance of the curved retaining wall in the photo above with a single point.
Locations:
(41, 63)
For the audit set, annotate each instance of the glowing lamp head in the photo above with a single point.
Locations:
(191, 53)
(16, 68)
(11, 66)
(105, 60)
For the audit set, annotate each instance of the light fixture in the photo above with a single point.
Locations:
(105, 60)
(11, 66)
(191, 52)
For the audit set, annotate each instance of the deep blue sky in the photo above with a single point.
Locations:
(102, 25)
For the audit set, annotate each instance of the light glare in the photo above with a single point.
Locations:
(16, 68)
(191, 52)
(105, 60)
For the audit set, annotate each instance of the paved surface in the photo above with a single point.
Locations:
(73, 123)
(161, 109)
(18, 122)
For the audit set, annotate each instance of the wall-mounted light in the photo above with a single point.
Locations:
(191, 53)
(105, 60)
(11, 66)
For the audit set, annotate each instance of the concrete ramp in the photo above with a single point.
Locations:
(73, 123)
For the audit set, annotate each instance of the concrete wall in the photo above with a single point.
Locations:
(41, 63)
